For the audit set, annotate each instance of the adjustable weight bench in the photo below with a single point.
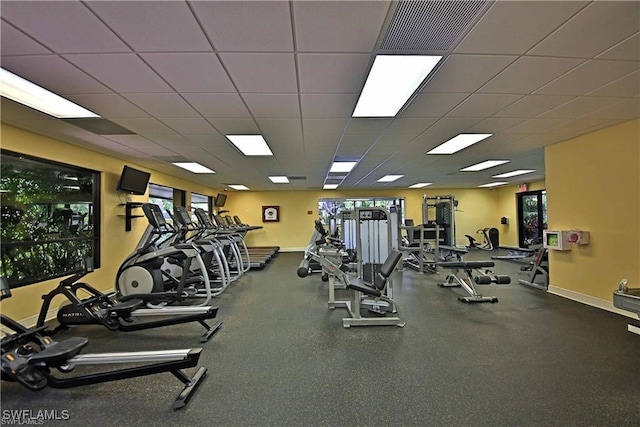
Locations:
(467, 274)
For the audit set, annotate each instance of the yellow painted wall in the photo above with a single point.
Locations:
(593, 184)
(476, 209)
(116, 244)
(507, 207)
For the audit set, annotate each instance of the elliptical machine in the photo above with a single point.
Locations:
(143, 271)
(86, 305)
(29, 358)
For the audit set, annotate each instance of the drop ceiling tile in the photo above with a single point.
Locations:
(53, 73)
(273, 105)
(135, 142)
(410, 126)
(163, 105)
(388, 144)
(120, 72)
(243, 26)
(315, 143)
(167, 26)
(364, 126)
(191, 72)
(432, 104)
(532, 105)
(190, 126)
(466, 73)
(262, 72)
(495, 125)
(351, 26)
(235, 126)
(576, 127)
(109, 105)
(528, 74)
(483, 105)
(323, 126)
(280, 126)
(587, 77)
(332, 73)
(212, 105)
(513, 27)
(627, 86)
(579, 107)
(175, 142)
(626, 50)
(70, 26)
(593, 30)
(14, 42)
(327, 105)
(145, 126)
(536, 126)
(453, 126)
(623, 110)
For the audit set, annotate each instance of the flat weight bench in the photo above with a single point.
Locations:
(359, 289)
(473, 275)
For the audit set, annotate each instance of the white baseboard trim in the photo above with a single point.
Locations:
(589, 300)
(31, 321)
(633, 329)
(293, 249)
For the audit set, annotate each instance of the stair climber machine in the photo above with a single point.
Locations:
(86, 305)
(222, 257)
(30, 358)
(149, 268)
(235, 249)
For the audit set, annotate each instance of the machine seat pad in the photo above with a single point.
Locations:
(360, 286)
(59, 353)
(467, 264)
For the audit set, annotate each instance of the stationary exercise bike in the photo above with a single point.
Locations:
(30, 358)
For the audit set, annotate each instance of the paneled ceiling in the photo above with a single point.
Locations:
(179, 75)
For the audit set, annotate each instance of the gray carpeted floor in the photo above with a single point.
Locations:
(283, 359)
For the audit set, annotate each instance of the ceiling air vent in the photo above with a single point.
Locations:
(297, 178)
(430, 25)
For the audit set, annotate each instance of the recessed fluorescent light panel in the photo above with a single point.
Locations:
(194, 167)
(279, 179)
(459, 142)
(23, 91)
(493, 184)
(420, 185)
(391, 82)
(484, 165)
(250, 145)
(513, 173)
(342, 167)
(390, 178)
(238, 187)
(330, 186)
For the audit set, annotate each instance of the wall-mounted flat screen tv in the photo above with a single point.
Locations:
(133, 181)
(220, 200)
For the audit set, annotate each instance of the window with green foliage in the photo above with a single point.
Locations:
(49, 215)
(200, 201)
(163, 197)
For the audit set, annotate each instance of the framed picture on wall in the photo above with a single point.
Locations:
(270, 213)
